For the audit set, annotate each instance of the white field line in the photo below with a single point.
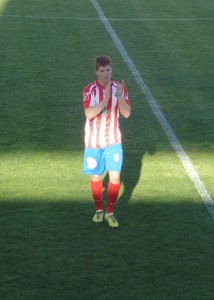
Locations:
(6, 16)
(110, 19)
(188, 166)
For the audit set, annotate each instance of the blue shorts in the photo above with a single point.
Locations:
(98, 160)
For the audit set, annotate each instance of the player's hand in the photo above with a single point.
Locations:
(120, 88)
(107, 91)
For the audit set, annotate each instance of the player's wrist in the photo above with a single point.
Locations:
(105, 100)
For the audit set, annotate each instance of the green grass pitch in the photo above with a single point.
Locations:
(49, 246)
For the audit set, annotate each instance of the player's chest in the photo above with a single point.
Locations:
(100, 96)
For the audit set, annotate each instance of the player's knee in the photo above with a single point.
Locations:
(114, 177)
(96, 178)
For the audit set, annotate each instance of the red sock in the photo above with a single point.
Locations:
(97, 191)
(112, 193)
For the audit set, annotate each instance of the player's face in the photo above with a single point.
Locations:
(104, 74)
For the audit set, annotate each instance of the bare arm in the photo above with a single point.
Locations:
(125, 109)
(92, 112)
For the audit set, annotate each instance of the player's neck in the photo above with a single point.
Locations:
(103, 83)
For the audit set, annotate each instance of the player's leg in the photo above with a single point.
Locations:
(114, 159)
(93, 165)
(97, 191)
(112, 191)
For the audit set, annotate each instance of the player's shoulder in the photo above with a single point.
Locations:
(90, 86)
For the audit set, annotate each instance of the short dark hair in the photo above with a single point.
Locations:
(102, 61)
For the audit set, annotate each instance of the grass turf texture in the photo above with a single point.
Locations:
(50, 248)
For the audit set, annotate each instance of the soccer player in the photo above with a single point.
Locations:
(103, 101)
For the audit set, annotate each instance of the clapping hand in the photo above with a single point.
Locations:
(120, 87)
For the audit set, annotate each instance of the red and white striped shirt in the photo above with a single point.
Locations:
(103, 130)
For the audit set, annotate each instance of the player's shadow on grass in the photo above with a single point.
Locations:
(132, 168)
(138, 138)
